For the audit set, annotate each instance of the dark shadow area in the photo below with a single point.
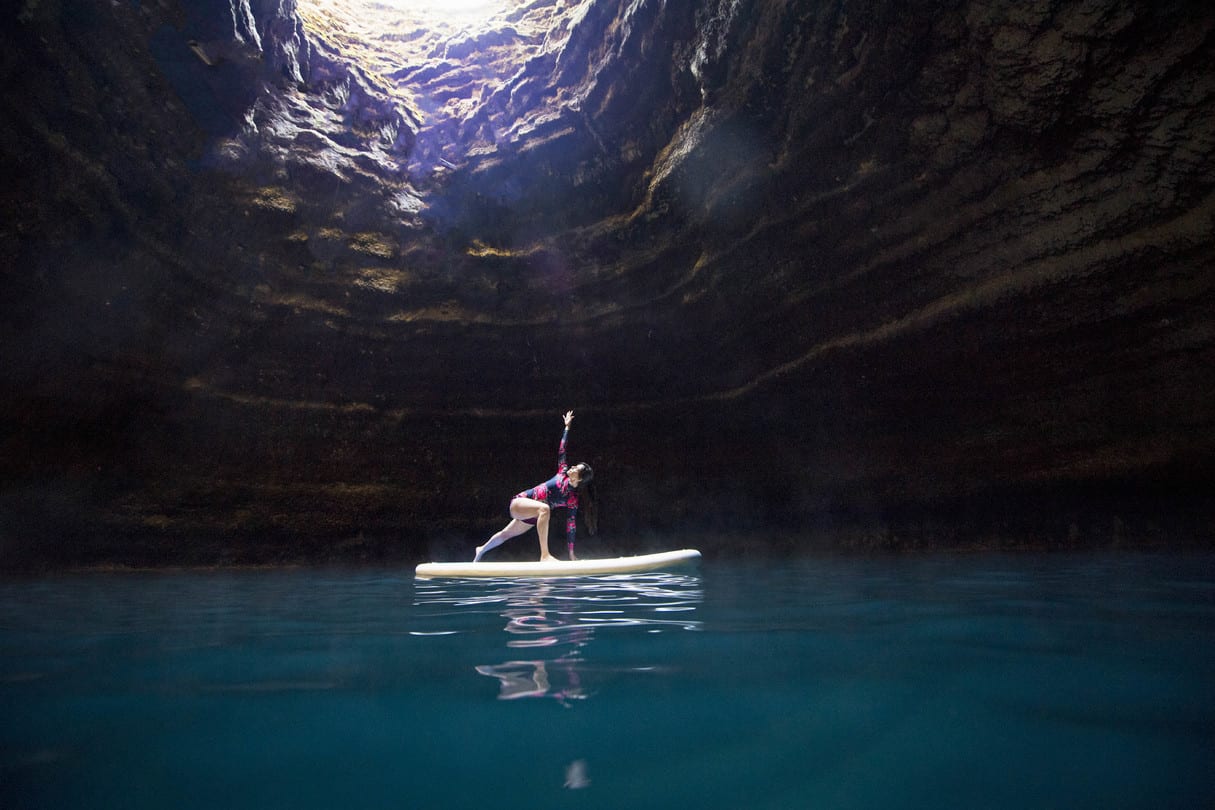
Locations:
(288, 285)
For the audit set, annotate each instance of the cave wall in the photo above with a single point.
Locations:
(871, 273)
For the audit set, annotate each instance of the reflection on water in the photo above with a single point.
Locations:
(575, 775)
(1078, 681)
(554, 620)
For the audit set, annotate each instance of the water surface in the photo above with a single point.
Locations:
(1000, 681)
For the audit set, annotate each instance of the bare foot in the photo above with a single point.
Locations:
(477, 556)
(549, 558)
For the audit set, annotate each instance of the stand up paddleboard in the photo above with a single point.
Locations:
(562, 568)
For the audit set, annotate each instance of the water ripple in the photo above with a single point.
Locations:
(535, 606)
(554, 621)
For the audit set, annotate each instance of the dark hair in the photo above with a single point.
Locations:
(588, 504)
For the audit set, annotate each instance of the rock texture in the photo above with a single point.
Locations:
(307, 282)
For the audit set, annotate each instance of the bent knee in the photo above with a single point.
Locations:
(544, 511)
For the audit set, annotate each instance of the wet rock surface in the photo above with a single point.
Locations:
(300, 282)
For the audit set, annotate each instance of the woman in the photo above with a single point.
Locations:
(570, 487)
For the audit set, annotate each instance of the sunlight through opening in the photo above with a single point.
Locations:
(470, 10)
(429, 13)
(439, 62)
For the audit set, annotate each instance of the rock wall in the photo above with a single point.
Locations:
(282, 283)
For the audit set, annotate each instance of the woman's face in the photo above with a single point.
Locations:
(575, 475)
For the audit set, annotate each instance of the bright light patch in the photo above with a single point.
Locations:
(435, 62)
(431, 13)
(450, 9)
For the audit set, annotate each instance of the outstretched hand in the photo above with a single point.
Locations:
(569, 417)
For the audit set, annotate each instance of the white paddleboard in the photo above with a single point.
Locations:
(561, 568)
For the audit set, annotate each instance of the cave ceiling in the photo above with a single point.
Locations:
(901, 249)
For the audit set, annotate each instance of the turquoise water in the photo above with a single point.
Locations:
(997, 681)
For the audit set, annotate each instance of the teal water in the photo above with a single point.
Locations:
(996, 681)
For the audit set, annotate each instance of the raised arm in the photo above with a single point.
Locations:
(571, 508)
(568, 417)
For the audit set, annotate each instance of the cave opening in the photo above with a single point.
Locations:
(448, 68)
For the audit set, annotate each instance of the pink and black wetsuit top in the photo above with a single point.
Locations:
(557, 492)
